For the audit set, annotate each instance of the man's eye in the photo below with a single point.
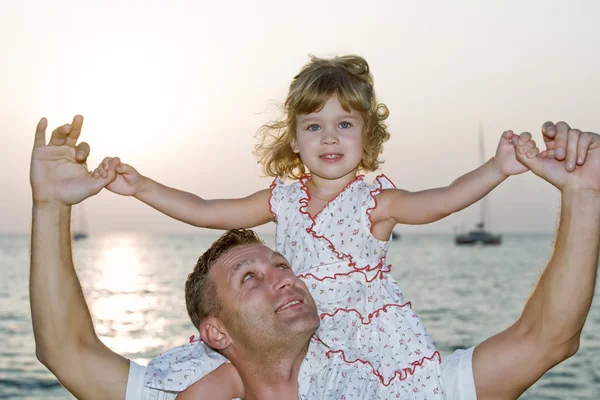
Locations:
(314, 127)
(345, 125)
(247, 276)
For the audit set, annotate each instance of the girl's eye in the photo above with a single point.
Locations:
(247, 277)
(314, 127)
(283, 266)
(345, 125)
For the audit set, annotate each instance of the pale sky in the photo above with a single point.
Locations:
(178, 90)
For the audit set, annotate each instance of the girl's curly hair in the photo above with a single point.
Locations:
(349, 78)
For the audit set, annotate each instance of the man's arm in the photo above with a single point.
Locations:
(64, 334)
(66, 342)
(549, 329)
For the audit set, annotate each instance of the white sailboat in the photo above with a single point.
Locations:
(479, 234)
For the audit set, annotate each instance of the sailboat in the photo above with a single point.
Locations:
(79, 227)
(479, 234)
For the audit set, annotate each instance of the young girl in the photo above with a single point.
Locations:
(333, 227)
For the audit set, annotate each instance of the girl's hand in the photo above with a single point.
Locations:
(127, 182)
(506, 159)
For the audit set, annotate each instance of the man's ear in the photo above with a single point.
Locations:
(214, 334)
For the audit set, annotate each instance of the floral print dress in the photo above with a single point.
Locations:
(370, 343)
(365, 321)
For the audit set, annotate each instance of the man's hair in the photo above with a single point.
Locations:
(201, 297)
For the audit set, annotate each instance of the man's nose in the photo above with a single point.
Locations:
(283, 279)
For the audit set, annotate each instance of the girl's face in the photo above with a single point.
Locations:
(329, 142)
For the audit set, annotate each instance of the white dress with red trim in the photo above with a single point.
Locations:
(370, 344)
(365, 321)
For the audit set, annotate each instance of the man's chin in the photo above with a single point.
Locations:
(306, 323)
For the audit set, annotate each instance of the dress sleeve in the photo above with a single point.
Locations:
(278, 194)
(180, 367)
(381, 183)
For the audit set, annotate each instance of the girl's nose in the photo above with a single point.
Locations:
(329, 136)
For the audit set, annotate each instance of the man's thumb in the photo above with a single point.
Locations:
(112, 170)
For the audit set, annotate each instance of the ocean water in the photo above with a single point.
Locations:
(134, 288)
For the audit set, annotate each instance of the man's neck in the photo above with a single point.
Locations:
(271, 373)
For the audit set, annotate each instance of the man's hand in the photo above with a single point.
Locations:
(566, 147)
(65, 339)
(549, 328)
(58, 172)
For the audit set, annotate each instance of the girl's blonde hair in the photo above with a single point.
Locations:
(349, 78)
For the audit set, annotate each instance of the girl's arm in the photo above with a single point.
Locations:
(423, 207)
(244, 212)
(426, 206)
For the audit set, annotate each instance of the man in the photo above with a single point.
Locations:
(271, 358)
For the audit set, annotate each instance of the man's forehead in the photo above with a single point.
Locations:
(244, 255)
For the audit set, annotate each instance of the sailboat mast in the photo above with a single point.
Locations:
(482, 206)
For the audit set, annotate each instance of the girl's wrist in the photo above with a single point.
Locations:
(497, 169)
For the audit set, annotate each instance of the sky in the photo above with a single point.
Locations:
(178, 89)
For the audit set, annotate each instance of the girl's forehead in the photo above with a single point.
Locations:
(332, 107)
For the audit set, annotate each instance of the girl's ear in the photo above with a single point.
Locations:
(294, 146)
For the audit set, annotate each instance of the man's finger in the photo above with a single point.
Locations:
(59, 135)
(111, 171)
(548, 154)
(40, 133)
(82, 152)
(123, 168)
(99, 184)
(548, 131)
(114, 162)
(507, 134)
(561, 139)
(75, 131)
(587, 141)
(106, 162)
(572, 143)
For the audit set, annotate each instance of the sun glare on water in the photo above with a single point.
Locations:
(123, 311)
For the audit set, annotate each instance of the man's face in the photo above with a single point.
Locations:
(264, 303)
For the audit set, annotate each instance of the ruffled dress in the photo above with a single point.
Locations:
(370, 343)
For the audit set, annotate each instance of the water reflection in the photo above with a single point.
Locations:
(122, 307)
(120, 265)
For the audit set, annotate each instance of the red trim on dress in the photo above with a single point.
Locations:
(375, 313)
(193, 339)
(403, 374)
(303, 209)
(374, 193)
(379, 274)
(271, 188)
(304, 201)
